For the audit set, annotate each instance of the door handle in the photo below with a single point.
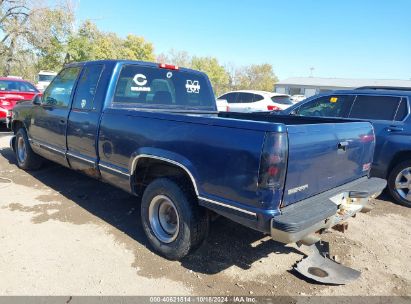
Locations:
(62, 121)
(395, 129)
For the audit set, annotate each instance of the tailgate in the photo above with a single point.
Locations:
(325, 156)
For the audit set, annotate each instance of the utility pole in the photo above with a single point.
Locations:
(311, 71)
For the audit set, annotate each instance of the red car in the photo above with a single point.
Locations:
(13, 90)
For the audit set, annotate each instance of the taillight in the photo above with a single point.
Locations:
(273, 108)
(168, 66)
(228, 109)
(273, 161)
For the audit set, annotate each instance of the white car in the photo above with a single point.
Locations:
(254, 101)
(297, 98)
(222, 105)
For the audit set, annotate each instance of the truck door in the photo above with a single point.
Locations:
(83, 121)
(49, 120)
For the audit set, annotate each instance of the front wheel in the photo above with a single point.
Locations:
(399, 183)
(173, 221)
(26, 158)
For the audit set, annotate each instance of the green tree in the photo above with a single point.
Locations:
(33, 35)
(179, 58)
(255, 77)
(89, 43)
(82, 44)
(219, 77)
(49, 31)
(137, 48)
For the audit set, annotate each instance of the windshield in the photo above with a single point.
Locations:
(155, 87)
(16, 86)
(285, 100)
(46, 78)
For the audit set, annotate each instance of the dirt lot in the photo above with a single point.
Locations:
(62, 233)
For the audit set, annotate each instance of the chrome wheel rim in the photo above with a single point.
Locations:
(403, 184)
(21, 150)
(164, 219)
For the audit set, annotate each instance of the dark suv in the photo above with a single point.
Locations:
(388, 109)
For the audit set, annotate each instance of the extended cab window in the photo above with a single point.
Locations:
(375, 107)
(58, 93)
(154, 87)
(86, 88)
(327, 106)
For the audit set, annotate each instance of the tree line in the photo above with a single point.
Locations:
(36, 36)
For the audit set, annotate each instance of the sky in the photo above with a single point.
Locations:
(338, 38)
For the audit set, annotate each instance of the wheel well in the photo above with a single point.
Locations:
(16, 126)
(398, 158)
(149, 169)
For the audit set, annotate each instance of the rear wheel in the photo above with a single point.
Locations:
(26, 158)
(172, 220)
(399, 183)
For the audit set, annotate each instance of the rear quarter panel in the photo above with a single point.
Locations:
(223, 160)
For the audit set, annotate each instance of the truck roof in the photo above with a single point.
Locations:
(117, 61)
(366, 91)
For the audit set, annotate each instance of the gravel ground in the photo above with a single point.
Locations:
(62, 233)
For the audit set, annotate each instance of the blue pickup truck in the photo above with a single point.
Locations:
(153, 130)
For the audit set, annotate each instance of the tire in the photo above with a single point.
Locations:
(26, 158)
(398, 176)
(172, 220)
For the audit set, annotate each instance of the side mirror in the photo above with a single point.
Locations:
(37, 99)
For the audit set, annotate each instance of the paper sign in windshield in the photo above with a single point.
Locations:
(140, 80)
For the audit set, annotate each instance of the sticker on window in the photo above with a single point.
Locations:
(193, 86)
(83, 103)
(141, 81)
(333, 99)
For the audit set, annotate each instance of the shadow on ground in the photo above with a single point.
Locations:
(228, 243)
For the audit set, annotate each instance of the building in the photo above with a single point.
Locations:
(310, 86)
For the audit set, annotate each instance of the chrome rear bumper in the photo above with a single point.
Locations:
(301, 221)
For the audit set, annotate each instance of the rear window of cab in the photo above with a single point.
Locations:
(149, 87)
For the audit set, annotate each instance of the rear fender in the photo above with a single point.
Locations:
(166, 156)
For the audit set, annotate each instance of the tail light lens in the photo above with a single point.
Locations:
(273, 163)
(228, 109)
(273, 108)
